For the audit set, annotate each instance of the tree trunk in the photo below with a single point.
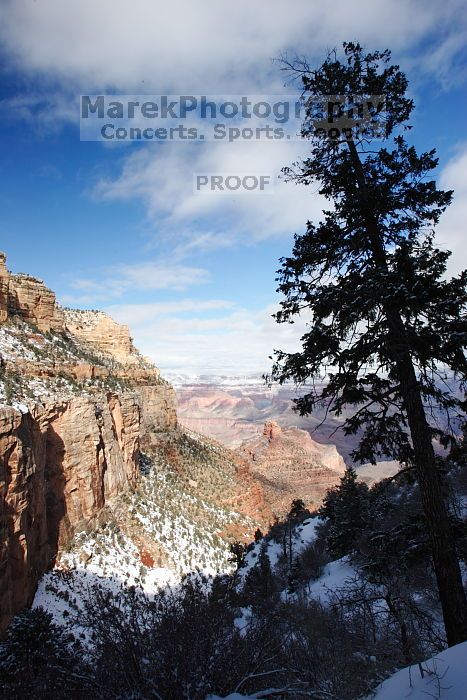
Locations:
(445, 560)
(446, 564)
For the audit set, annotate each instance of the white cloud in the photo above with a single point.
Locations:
(452, 229)
(206, 47)
(113, 282)
(240, 341)
(149, 312)
(202, 45)
(162, 178)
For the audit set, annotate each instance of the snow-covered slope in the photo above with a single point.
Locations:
(148, 538)
(444, 676)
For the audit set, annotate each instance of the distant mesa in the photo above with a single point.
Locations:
(288, 463)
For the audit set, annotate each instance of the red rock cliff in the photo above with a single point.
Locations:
(59, 465)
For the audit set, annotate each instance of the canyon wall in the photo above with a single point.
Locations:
(104, 335)
(4, 283)
(59, 466)
(28, 297)
(64, 456)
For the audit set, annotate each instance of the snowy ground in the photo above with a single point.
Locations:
(107, 560)
(21, 342)
(177, 531)
(302, 536)
(443, 677)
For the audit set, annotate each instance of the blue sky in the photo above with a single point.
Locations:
(119, 228)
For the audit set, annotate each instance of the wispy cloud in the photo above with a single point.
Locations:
(112, 282)
(451, 231)
(162, 178)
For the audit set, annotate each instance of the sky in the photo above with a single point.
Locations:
(117, 226)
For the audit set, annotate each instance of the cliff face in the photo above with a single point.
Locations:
(103, 334)
(4, 281)
(24, 552)
(75, 443)
(59, 466)
(158, 405)
(29, 298)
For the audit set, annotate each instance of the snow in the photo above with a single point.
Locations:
(183, 530)
(444, 677)
(107, 559)
(335, 576)
(20, 342)
(182, 379)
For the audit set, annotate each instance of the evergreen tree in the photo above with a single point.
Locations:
(297, 510)
(345, 509)
(238, 551)
(259, 583)
(37, 659)
(258, 535)
(293, 579)
(386, 324)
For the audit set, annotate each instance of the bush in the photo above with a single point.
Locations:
(39, 660)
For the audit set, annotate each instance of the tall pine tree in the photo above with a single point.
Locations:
(386, 325)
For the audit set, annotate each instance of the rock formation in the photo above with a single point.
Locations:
(59, 466)
(291, 465)
(64, 457)
(28, 297)
(103, 334)
(24, 552)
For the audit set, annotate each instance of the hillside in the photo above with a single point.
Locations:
(89, 436)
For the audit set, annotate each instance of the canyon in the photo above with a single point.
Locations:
(288, 463)
(83, 400)
(233, 410)
(83, 413)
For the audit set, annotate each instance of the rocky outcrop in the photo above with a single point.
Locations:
(24, 548)
(59, 466)
(100, 332)
(289, 464)
(158, 404)
(29, 298)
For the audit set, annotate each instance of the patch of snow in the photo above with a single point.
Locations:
(335, 576)
(444, 676)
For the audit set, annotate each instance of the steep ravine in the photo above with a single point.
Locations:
(92, 457)
(60, 464)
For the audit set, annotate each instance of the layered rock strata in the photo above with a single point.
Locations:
(63, 457)
(289, 464)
